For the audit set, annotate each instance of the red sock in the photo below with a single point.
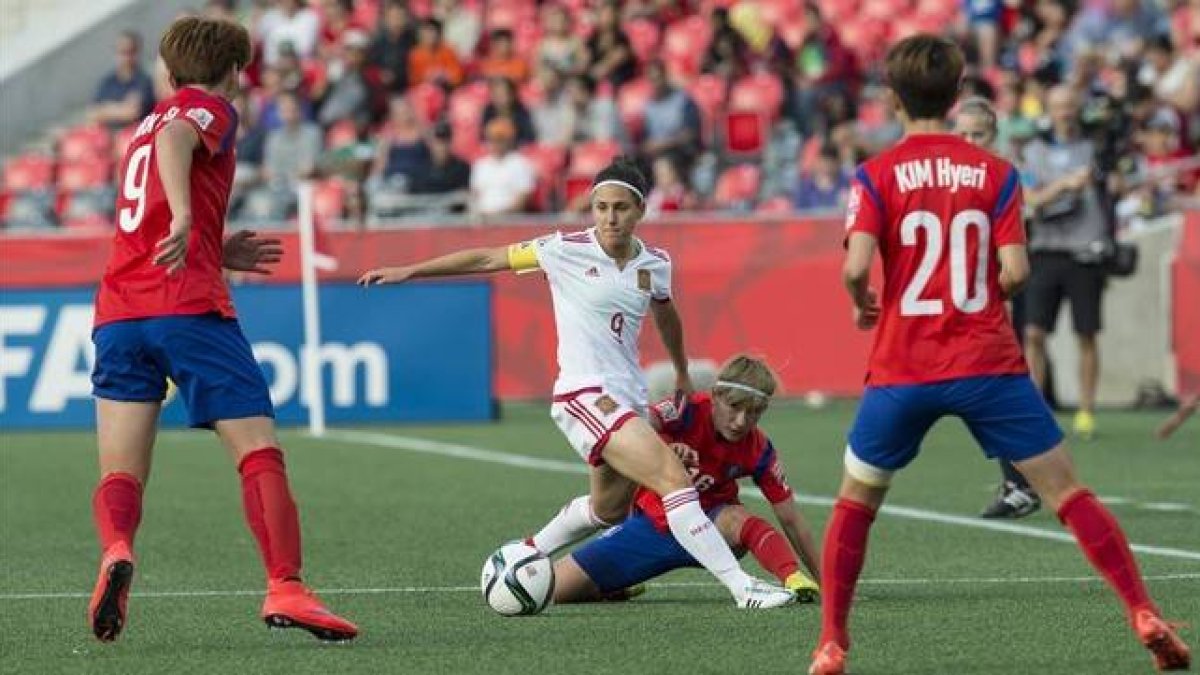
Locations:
(271, 513)
(768, 547)
(117, 509)
(1104, 544)
(845, 549)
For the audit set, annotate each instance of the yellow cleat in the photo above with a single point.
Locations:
(1085, 425)
(806, 590)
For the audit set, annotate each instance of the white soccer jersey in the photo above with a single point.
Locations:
(598, 309)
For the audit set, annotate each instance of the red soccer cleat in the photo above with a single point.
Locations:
(1170, 652)
(290, 604)
(106, 611)
(829, 659)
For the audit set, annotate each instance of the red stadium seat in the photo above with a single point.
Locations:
(574, 186)
(532, 94)
(4, 198)
(84, 174)
(84, 142)
(121, 141)
(737, 184)
(761, 92)
(683, 46)
(341, 134)
(643, 36)
(29, 172)
(329, 199)
(548, 161)
(631, 103)
(708, 92)
(92, 221)
(427, 101)
(777, 12)
(885, 9)
(745, 132)
(589, 158)
(837, 11)
(465, 108)
(509, 14)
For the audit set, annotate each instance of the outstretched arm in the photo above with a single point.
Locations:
(469, 261)
(798, 533)
(670, 328)
(173, 147)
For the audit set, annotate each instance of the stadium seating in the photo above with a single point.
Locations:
(738, 186)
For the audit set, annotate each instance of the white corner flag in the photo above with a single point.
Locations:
(312, 388)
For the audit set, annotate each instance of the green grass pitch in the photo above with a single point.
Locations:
(396, 532)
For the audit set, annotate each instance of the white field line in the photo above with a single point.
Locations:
(685, 584)
(441, 449)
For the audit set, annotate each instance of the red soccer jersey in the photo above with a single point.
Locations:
(133, 286)
(715, 464)
(939, 208)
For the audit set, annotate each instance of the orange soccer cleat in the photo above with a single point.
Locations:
(290, 604)
(1170, 652)
(106, 611)
(828, 659)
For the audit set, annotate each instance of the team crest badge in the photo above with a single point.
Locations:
(606, 404)
(201, 116)
(643, 280)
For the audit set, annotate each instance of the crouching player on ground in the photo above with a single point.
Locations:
(717, 437)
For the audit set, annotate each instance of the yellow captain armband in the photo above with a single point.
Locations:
(522, 257)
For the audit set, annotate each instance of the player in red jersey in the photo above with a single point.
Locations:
(717, 437)
(946, 219)
(163, 311)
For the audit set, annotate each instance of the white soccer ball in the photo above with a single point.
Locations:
(517, 580)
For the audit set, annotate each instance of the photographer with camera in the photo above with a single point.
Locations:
(1071, 241)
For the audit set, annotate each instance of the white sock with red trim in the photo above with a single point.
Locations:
(699, 536)
(573, 522)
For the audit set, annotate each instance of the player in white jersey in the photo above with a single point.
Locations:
(603, 280)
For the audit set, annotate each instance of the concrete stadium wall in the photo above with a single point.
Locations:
(62, 81)
(1135, 343)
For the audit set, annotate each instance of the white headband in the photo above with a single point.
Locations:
(743, 387)
(627, 186)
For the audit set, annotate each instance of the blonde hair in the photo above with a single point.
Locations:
(979, 107)
(746, 381)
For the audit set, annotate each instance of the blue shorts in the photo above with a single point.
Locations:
(206, 356)
(1005, 413)
(633, 552)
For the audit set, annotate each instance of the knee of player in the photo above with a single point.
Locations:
(610, 514)
(1035, 336)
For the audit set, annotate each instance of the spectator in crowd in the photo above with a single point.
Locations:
(1174, 77)
(1069, 237)
(983, 17)
(392, 43)
(610, 54)
(671, 192)
(727, 54)
(338, 19)
(672, 120)
(461, 27)
(502, 59)
(560, 49)
(822, 66)
(579, 116)
(221, 9)
(295, 77)
(249, 142)
(401, 151)
(288, 21)
(446, 173)
(503, 103)
(352, 94)
(1161, 173)
(433, 60)
(290, 154)
(502, 180)
(825, 187)
(126, 94)
(1123, 26)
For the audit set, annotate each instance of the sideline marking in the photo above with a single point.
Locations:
(441, 449)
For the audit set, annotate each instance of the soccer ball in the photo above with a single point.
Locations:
(517, 579)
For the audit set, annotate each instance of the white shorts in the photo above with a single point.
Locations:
(588, 417)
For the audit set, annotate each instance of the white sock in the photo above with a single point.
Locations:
(574, 522)
(699, 536)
